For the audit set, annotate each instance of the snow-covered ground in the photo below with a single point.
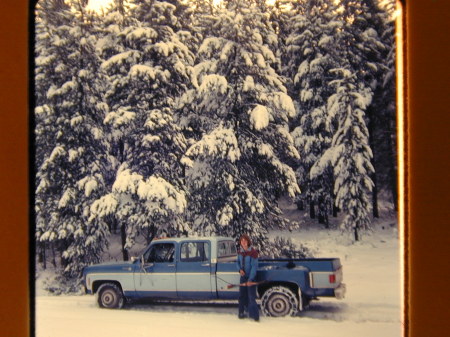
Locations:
(372, 306)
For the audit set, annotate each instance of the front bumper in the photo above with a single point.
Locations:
(340, 291)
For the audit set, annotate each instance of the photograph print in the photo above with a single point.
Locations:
(227, 167)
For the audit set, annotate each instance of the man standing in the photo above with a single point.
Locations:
(247, 263)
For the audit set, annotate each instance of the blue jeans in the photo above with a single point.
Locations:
(247, 300)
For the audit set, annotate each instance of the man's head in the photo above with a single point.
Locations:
(245, 241)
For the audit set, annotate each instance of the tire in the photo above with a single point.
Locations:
(110, 296)
(279, 301)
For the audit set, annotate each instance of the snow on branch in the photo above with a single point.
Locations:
(259, 117)
(121, 117)
(104, 206)
(156, 191)
(213, 83)
(130, 57)
(221, 143)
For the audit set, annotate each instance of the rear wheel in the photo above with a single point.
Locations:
(279, 301)
(110, 296)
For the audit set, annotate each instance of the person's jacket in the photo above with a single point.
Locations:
(248, 262)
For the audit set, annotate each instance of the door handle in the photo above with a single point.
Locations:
(205, 264)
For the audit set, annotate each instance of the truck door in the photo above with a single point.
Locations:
(156, 277)
(194, 270)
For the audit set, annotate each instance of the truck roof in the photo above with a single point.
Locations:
(195, 238)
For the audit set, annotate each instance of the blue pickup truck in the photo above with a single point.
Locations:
(205, 269)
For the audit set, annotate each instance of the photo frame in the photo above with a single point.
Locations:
(413, 243)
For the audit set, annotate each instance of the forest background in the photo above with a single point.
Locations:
(189, 118)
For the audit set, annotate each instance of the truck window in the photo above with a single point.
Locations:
(226, 249)
(160, 252)
(194, 252)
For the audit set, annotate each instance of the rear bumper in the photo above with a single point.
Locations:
(340, 291)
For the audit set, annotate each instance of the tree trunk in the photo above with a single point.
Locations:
(42, 258)
(312, 211)
(374, 148)
(123, 234)
(356, 234)
(335, 211)
(300, 205)
(393, 182)
(120, 7)
(54, 257)
(151, 234)
(375, 197)
(321, 218)
(61, 249)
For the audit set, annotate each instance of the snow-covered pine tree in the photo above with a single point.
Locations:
(307, 65)
(355, 48)
(237, 115)
(350, 154)
(382, 112)
(147, 74)
(69, 136)
(365, 46)
(49, 15)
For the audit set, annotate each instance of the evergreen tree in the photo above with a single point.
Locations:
(237, 114)
(146, 75)
(308, 65)
(70, 136)
(350, 154)
(369, 41)
(382, 112)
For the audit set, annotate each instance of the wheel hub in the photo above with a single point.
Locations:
(280, 306)
(107, 299)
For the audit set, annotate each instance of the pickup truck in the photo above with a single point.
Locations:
(204, 268)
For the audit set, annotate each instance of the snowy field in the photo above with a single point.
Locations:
(372, 306)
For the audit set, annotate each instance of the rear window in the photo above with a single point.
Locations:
(194, 252)
(226, 248)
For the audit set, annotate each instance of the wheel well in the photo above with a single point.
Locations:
(266, 286)
(97, 285)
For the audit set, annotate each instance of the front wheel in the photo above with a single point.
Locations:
(279, 301)
(110, 296)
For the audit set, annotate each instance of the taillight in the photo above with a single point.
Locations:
(332, 278)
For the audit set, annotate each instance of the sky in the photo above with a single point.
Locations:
(97, 5)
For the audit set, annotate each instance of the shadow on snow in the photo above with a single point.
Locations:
(323, 310)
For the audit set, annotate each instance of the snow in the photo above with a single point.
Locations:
(104, 206)
(259, 117)
(284, 102)
(139, 69)
(142, 32)
(119, 118)
(306, 95)
(221, 143)
(215, 83)
(66, 197)
(126, 182)
(158, 190)
(303, 69)
(371, 308)
(249, 84)
(210, 45)
(128, 56)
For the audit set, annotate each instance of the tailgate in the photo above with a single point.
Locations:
(326, 279)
